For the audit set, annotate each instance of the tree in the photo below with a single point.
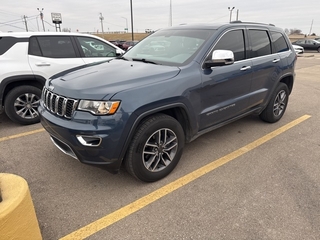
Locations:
(295, 31)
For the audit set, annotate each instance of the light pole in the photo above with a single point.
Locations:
(126, 23)
(230, 9)
(41, 17)
(132, 38)
(101, 19)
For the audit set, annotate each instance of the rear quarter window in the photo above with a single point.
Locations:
(279, 42)
(7, 42)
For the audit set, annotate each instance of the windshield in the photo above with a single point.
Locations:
(169, 47)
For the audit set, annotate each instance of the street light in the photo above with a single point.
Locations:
(126, 23)
(230, 9)
(41, 16)
(132, 38)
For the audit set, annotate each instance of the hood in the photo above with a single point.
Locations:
(103, 80)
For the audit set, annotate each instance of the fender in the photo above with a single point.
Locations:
(14, 81)
(191, 122)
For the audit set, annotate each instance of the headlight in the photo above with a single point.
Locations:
(99, 107)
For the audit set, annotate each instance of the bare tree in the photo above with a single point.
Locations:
(295, 31)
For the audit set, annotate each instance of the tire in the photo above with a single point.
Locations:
(318, 49)
(21, 104)
(156, 148)
(277, 104)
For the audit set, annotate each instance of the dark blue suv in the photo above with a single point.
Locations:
(175, 85)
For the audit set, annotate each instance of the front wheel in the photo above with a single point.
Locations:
(21, 104)
(318, 49)
(277, 104)
(156, 148)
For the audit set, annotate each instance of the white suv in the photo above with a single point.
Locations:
(27, 59)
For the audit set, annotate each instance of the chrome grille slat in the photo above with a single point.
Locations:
(59, 105)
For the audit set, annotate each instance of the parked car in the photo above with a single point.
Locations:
(118, 43)
(308, 44)
(140, 109)
(128, 44)
(298, 49)
(27, 59)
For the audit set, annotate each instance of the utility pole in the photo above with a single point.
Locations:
(101, 19)
(230, 9)
(132, 38)
(311, 27)
(170, 17)
(25, 21)
(41, 17)
(237, 15)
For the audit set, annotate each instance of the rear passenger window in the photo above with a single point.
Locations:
(260, 43)
(279, 42)
(233, 41)
(56, 47)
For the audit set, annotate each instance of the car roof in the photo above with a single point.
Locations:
(216, 26)
(29, 34)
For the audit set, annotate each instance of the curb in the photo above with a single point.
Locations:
(17, 215)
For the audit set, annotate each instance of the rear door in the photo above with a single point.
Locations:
(266, 65)
(49, 55)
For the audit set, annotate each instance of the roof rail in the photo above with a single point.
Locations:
(238, 21)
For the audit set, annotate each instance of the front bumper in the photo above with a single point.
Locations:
(90, 139)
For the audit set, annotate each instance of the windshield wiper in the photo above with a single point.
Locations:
(144, 60)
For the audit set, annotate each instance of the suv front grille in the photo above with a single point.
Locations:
(59, 105)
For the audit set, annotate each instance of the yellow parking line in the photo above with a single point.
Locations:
(20, 135)
(131, 208)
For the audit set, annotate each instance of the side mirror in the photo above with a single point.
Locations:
(119, 52)
(220, 58)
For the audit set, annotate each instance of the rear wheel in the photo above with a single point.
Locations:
(277, 105)
(21, 104)
(156, 148)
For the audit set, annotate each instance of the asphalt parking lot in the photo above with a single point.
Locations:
(247, 180)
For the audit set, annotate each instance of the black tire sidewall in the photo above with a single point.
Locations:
(10, 99)
(144, 132)
(268, 114)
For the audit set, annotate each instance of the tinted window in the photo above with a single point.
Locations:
(34, 48)
(7, 42)
(260, 43)
(233, 41)
(279, 42)
(92, 47)
(56, 47)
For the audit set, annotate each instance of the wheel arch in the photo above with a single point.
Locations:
(288, 80)
(177, 111)
(12, 82)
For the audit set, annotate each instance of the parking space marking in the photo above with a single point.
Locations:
(21, 135)
(144, 201)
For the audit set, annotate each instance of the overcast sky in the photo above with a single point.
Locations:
(154, 14)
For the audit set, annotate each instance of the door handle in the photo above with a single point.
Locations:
(42, 64)
(245, 68)
(276, 60)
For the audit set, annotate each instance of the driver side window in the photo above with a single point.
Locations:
(234, 41)
(94, 48)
